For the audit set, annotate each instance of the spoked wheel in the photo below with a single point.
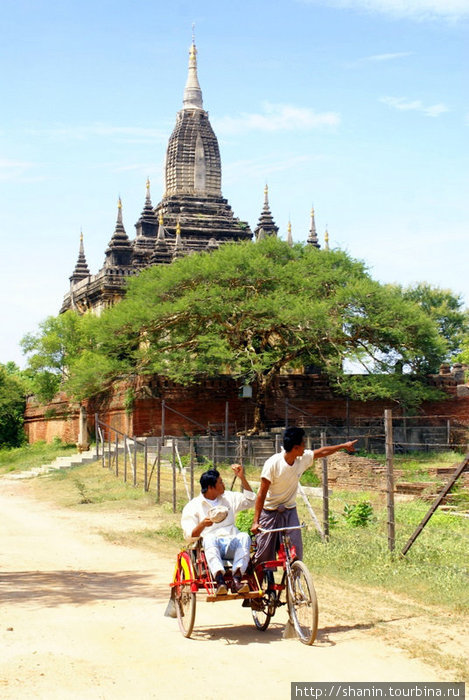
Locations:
(302, 603)
(263, 608)
(184, 600)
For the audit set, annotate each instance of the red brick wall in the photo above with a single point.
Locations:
(206, 402)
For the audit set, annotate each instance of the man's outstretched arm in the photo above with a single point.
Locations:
(328, 450)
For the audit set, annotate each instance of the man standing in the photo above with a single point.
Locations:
(211, 515)
(276, 499)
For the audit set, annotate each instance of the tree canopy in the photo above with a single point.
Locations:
(12, 405)
(250, 310)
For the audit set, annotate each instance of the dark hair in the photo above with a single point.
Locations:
(292, 437)
(209, 478)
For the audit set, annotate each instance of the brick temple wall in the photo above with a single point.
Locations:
(138, 410)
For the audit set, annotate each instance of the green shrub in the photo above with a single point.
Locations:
(359, 515)
(244, 521)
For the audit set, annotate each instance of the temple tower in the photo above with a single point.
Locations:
(81, 270)
(313, 236)
(193, 176)
(266, 223)
(146, 231)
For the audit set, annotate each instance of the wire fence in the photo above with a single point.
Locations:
(170, 468)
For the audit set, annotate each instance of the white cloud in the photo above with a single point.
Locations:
(404, 105)
(13, 169)
(387, 56)
(276, 117)
(412, 9)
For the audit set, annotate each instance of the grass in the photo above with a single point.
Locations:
(435, 570)
(30, 456)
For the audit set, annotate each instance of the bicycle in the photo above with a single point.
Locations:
(192, 575)
(301, 598)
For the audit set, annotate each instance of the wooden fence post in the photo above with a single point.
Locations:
(125, 458)
(96, 432)
(389, 479)
(191, 457)
(158, 470)
(325, 491)
(145, 466)
(174, 476)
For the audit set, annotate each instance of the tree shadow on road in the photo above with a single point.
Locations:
(51, 588)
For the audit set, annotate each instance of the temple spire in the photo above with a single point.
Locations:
(266, 222)
(81, 268)
(289, 235)
(119, 250)
(313, 236)
(192, 91)
(326, 240)
(178, 251)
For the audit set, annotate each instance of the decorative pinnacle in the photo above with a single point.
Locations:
(119, 211)
(160, 220)
(326, 240)
(192, 91)
(178, 228)
(266, 194)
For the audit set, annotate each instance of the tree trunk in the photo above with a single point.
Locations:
(260, 399)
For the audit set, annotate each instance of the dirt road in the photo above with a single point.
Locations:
(84, 618)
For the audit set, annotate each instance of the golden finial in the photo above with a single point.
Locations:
(289, 227)
(312, 212)
(178, 228)
(160, 220)
(119, 204)
(148, 183)
(81, 236)
(326, 239)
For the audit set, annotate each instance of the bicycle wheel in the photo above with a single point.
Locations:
(184, 600)
(263, 608)
(302, 603)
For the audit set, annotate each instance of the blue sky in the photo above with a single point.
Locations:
(358, 107)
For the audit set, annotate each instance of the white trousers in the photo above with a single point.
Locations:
(233, 547)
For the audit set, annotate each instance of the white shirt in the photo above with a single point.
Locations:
(284, 479)
(197, 509)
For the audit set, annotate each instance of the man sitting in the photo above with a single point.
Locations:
(211, 515)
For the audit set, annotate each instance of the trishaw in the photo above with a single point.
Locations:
(192, 575)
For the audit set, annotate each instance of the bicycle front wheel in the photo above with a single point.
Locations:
(302, 603)
(184, 600)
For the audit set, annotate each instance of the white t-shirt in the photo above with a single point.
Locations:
(284, 479)
(196, 510)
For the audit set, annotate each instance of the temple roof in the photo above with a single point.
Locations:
(81, 268)
(266, 221)
(313, 236)
(119, 250)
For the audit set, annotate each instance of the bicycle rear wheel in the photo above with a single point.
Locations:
(184, 600)
(302, 603)
(262, 608)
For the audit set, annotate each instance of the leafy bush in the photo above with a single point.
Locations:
(244, 521)
(359, 515)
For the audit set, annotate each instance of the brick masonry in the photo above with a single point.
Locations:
(137, 410)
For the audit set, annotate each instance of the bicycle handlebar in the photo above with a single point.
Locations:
(283, 529)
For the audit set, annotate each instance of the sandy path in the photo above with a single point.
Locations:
(83, 618)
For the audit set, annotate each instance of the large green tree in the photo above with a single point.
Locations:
(451, 318)
(250, 310)
(12, 405)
